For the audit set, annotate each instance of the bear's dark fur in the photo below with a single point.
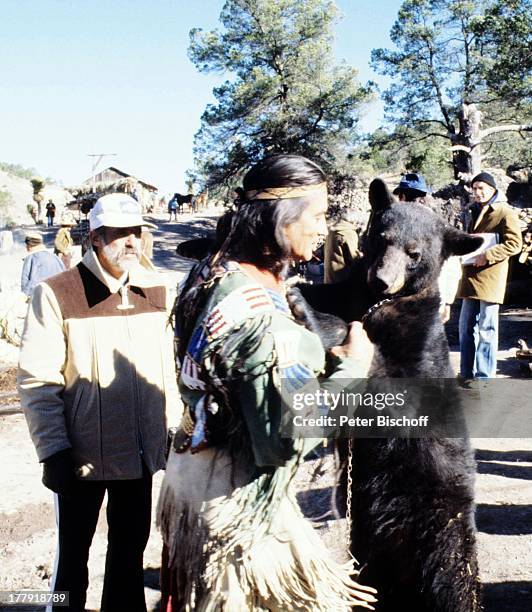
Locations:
(413, 527)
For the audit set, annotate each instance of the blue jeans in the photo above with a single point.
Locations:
(479, 338)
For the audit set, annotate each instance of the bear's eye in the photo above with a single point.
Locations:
(415, 256)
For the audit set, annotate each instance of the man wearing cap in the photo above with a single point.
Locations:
(413, 188)
(483, 282)
(39, 264)
(95, 365)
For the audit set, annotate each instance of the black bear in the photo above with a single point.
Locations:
(412, 508)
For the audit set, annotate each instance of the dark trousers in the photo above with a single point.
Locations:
(128, 519)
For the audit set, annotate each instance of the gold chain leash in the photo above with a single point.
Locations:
(349, 485)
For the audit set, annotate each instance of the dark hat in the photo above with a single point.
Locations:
(412, 180)
(485, 177)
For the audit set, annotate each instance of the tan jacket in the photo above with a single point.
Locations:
(94, 376)
(488, 283)
(341, 249)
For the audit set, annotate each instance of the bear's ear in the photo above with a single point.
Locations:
(457, 242)
(379, 196)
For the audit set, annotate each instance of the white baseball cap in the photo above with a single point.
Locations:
(116, 210)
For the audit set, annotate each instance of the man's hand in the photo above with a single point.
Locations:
(58, 472)
(480, 260)
(357, 346)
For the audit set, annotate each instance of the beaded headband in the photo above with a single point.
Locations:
(286, 193)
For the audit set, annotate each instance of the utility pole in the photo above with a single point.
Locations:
(99, 157)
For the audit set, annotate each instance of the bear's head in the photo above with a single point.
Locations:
(407, 244)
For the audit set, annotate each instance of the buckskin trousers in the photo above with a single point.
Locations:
(128, 520)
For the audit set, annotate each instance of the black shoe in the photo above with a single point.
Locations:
(465, 383)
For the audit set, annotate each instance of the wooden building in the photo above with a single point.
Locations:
(112, 180)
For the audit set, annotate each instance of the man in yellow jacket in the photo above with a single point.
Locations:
(341, 247)
(483, 283)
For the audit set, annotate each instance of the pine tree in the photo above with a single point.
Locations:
(286, 94)
(461, 70)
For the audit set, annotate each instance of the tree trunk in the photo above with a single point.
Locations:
(467, 153)
(38, 198)
(467, 150)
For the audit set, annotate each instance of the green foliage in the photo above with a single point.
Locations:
(286, 95)
(505, 31)
(455, 51)
(38, 185)
(432, 37)
(404, 153)
(6, 201)
(432, 159)
(451, 52)
(507, 149)
(17, 170)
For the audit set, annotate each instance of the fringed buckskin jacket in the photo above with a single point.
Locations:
(245, 355)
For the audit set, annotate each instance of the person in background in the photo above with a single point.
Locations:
(483, 283)
(63, 243)
(172, 207)
(39, 264)
(95, 380)
(413, 188)
(50, 212)
(341, 247)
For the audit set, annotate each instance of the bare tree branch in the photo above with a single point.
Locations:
(524, 127)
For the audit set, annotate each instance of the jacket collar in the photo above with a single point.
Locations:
(142, 275)
(489, 206)
(36, 249)
(492, 203)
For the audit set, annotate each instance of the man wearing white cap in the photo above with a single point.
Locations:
(95, 366)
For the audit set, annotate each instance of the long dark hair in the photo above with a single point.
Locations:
(257, 226)
(252, 232)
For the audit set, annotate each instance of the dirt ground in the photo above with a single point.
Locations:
(503, 484)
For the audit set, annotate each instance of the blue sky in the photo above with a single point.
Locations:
(95, 76)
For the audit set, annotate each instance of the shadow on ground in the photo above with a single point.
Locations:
(152, 581)
(495, 455)
(508, 519)
(169, 234)
(507, 597)
(522, 472)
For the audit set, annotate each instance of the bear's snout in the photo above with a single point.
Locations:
(387, 275)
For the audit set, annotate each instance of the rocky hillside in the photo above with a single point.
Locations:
(15, 195)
